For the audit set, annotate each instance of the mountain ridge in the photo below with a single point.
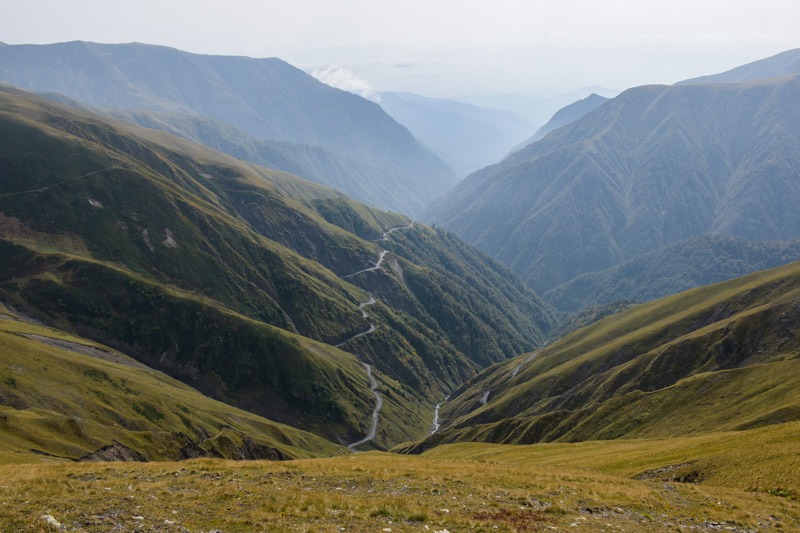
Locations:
(266, 98)
(781, 64)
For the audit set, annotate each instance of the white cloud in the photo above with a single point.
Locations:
(346, 80)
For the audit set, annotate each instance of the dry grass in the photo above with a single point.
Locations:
(369, 492)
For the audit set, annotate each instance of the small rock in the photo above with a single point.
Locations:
(52, 521)
(138, 517)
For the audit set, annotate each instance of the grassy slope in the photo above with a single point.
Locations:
(465, 487)
(722, 357)
(67, 397)
(758, 460)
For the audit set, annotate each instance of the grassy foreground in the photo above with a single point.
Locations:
(465, 487)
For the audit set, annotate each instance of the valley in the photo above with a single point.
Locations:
(222, 309)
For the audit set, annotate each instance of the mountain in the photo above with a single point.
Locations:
(654, 166)
(65, 397)
(466, 136)
(567, 115)
(267, 99)
(772, 67)
(240, 281)
(724, 357)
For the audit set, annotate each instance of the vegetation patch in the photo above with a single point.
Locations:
(520, 520)
(148, 410)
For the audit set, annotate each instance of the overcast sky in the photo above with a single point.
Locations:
(445, 48)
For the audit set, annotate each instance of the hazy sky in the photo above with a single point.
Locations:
(439, 47)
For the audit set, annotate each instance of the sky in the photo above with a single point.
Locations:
(440, 48)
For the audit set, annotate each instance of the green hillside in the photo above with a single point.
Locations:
(190, 260)
(719, 358)
(65, 397)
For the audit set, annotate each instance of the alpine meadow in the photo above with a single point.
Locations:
(422, 272)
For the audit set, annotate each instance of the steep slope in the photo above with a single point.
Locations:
(266, 98)
(719, 358)
(653, 166)
(787, 62)
(66, 397)
(190, 261)
(466, 136)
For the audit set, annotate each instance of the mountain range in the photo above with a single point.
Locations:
(653, 167)
(342, 139)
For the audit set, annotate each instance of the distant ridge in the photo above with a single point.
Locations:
(787, 62)
(567, 115)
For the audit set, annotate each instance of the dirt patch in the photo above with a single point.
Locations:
(681, 473)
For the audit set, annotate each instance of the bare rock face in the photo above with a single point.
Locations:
(115, 452)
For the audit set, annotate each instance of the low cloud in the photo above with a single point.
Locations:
(346, 80)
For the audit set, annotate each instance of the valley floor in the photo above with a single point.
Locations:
(456, 488)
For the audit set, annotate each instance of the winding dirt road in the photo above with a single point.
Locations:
(381, 256)
(373, 383)
(376, 413)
